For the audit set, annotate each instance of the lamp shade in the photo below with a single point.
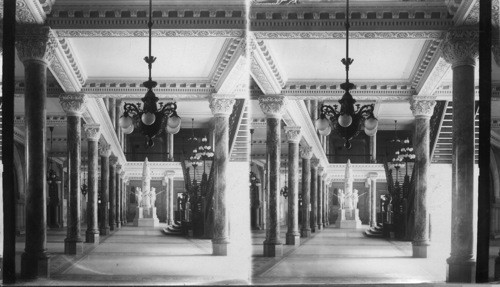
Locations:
(371, 123)
(322, 123)
(174, 121)
(345, 120)
(326, 131)
(171, 130)
(128, 130)
(125, 121)
(148, 118)
(370, 133)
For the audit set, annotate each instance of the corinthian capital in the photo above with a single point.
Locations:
(422, 108)
(306, 152)
(113, 160)
(34, 42)
(92, 131)
(273, 106)
(104, 149)
(292, 134)
(222, 105)
(314, 162)
(73, 104)
(460, 47)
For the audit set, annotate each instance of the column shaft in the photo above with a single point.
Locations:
(314, 110)
(104, 224)
(92, 234)
(293, 235)
(118, 203)
(112, 196)
(170, 145)
(112, 111)
(320, 202)
(171, 216)
(314, 197)
(373, 202)
(306, 190)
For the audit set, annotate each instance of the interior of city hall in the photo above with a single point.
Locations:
(233, 142)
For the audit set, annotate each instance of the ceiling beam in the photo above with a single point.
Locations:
(65, 66)
(231, 69)
(264, 69)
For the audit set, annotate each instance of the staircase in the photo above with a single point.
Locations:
(443, 148)
(240, 143)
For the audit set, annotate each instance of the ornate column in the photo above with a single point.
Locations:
(320, 197)
(422, 111)
(35, 47)
(118, 191)
(314, 110)
(112, 111)
(74, 105)
(113, 160)
(170, 146)
(92, 131)
(314, 192)
(293, 137)
(327, 203)
(460, 48)
(171, 199)
(221, 107)
(124, 200)
(165, 199)
(373, 148)
(306, 155)
(273, 107)
(104, 152)
(373, 198)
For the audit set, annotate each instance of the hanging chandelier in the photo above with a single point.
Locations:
(52, 175)
(347, 121)
(149, 119)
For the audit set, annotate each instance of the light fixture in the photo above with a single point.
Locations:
(406, 153)
(206, 153)
(193, 139)
(52, 175)
(150, 120)
(254, 180)
(347, 121)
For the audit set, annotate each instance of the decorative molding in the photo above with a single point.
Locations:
(92, 131)
(34, 42)
(51, 121)
(226, 61)
(375, 34)
(28, 12)
(433, 75)
(461, 46)
(66, 67)
(222, 105)
(360, 171)
(264, 69)
(293, 134)
(158, 170)
(157, 32)
(73, 104)
(422, 108)
(273, 106)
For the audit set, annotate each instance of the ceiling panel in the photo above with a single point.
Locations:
(320, 59)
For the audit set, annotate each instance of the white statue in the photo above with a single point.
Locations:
(355, 198)
(341, 197)
(152, 197)
(138, 196)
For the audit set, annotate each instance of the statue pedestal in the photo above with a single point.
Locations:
(348, 218)
(146, 217)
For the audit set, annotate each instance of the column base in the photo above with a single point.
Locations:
(313, 228)
(73, 246)
(419, 249)
(220, 247)
(320, 227)
(35, 265)
(92, 237)
(111, 227)
(104, 231)
(273, 249)
(306, 232)
(293, 239)
(118, 225)
(463, 271)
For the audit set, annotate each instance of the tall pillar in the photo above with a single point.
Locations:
(460, 48)
(306, 155)
(118, 194)
(308, 105)
(112, 111)
(422, 111)
(170, 146)
(313, 110)
(373, 199)
(35, 49)
(293, 137)
(104, 152)
(373, 148)
(74, 105)
(92, 131)
(112, 192)
(221, 107)
(327, 203)
(165, 198)
(273, 107)
(320, 197)
(171, 199)
(314, 193)
(124, 201)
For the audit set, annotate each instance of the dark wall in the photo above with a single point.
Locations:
(359, 153)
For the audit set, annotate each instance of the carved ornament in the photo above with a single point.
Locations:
(113, 160)
(104, 149)
(78, 33)
(92, 131)
(273, 106)
(306, 152)
(222, 105)
(314, 162)
(73, 103)
(293, 134)
(352, 34)
(460, 47)
(422, 108)
(34, 42)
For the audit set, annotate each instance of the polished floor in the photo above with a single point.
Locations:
(140, 256)
(334, 256)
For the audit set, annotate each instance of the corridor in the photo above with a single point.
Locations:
(139, 256)
(337, 256)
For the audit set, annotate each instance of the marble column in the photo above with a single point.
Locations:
(74, 105)
(460, 48)
(308, 105)
(112, 111)
(92, 131)
(124, 200)
(319, 195)
(373, 148)
(118, 192)
(221, 107)
(373, 199)
(327, 203)
(422, 111)
(314, 110)
(314, 193)
(112, 192)
(171, 198)
(293, 136)
(170, 145)
(35, 49)
(104, 152)
(273, 107)
(306, 155)
(165, 198)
